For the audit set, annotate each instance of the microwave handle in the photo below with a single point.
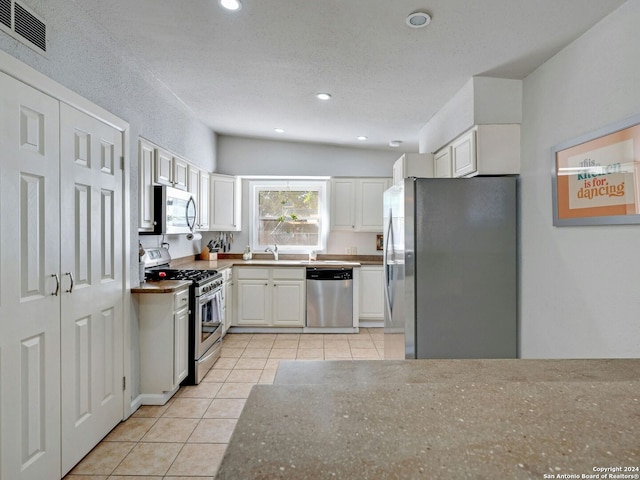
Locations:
(191, 202)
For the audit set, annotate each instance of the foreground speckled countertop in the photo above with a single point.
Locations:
(439, 419)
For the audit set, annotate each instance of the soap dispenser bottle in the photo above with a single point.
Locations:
(247, 255)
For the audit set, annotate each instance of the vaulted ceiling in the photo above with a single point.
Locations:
(257, 69)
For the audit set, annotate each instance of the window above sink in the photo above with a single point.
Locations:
(292, 214)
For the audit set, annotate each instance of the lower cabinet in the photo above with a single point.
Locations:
(227, 299)
(164, 344)
(372, 293)
(270, 297)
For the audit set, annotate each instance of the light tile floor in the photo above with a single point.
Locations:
(187, 437)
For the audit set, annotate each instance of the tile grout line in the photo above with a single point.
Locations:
(242, 347)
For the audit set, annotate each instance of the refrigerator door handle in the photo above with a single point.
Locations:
(387, 279)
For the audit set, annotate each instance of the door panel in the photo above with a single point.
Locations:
(288, 303)
(29, 261)
(91, 262)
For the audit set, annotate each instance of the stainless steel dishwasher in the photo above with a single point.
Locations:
(329, 297)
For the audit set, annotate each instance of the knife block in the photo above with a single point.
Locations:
(205, 254)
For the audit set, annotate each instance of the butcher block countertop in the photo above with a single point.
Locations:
(441, 419)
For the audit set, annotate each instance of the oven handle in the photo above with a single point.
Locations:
(202, 299)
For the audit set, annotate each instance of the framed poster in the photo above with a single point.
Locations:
(596, 178)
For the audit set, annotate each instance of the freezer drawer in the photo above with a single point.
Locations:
(329, 297)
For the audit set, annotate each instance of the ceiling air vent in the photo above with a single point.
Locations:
(5, 13)
(19, 22)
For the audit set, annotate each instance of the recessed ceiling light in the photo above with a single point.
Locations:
(395, 143)
(323, 96)
(362, 138)
(278, 130)
(231, 4)
(418, 19)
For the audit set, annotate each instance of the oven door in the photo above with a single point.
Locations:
(208, 321)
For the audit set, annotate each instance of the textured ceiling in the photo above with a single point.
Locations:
(248, 72)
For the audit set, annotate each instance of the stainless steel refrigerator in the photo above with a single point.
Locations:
(450, 262)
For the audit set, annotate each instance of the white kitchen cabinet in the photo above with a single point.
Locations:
(372, 293)
(356, 203)
(442, 163)
(163, 171)
(164, 343)
(193, 187)
(193, 182)
(486, 150)
(227, 299)
(145, 185)
(170, 170)
(181, 342)
(369, 199)
(463, 154)
(288, 297)
(270, 297)
(343, 206)
(204, 199)
(180, 173)
(225, 203)
(253, 297)
(413, 165)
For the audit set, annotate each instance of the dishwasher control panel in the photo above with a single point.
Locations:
(329, 273)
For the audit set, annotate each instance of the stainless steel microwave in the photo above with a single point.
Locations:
(174, 211)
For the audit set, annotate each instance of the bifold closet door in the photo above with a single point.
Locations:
(92, 283)
(29, 293)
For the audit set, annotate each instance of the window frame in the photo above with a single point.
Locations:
(319, 185)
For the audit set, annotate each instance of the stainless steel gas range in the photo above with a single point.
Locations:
(205, 310)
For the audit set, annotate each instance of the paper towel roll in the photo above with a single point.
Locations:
(194, 236)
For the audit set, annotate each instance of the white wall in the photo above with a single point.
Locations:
(580, 286)
(482, 100)
(85, 59)
(252, 156)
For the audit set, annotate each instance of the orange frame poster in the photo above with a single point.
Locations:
(597, 177)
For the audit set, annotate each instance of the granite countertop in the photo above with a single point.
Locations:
(261, 260)
(439, 419)
(264, 260)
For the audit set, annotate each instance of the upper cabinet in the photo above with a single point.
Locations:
(442, 163)
(145, 185)
(356, 203)
(204, 192)
(201, 197)
(180, 173)
(225, 203)
(170, 170)
(483, 150)
(163, 174)
(343, 207)
(369, 200)
(413, 165)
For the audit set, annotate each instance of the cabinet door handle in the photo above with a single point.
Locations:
(71, 284)
(55, 275)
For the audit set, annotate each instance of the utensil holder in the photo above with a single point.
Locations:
(205, 254)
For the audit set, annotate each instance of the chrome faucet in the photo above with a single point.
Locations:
(273, 250)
